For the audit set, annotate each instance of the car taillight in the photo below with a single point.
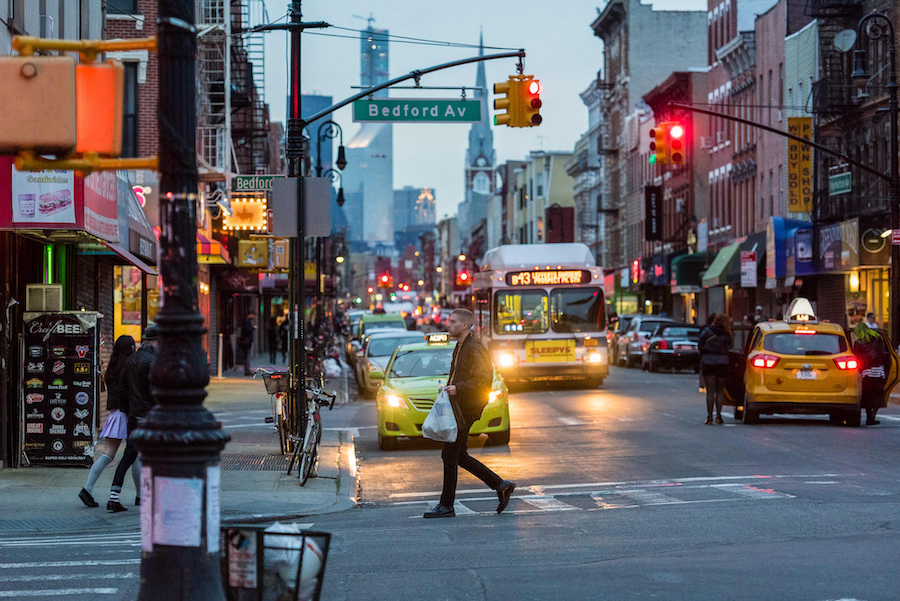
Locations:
(662, 344)
(846, 363)
(765, 361)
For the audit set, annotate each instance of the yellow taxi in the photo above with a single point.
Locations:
(410, 386)
(799, 365)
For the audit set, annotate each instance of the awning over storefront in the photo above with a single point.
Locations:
(133, 260)
(717, 274)
(753, 243)
(687, 273)
(211, 252)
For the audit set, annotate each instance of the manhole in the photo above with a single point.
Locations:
(251, 462)
(254, 437)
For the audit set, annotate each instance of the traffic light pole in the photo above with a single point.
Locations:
(180, 440)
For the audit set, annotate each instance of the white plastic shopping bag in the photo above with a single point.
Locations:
(440, 425)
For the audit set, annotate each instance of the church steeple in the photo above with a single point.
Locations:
(480, 156)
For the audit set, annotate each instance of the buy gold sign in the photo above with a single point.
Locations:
(549, 351)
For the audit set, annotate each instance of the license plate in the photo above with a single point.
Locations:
(807, 374)
(685, 348)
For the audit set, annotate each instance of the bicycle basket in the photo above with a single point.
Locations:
(279, 381)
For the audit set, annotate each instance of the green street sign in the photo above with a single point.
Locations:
(253, 183)
(404, 110)
(839, 184)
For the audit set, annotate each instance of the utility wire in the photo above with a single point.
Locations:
(425, 40)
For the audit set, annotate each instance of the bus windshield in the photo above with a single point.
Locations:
(521, 312)
(577, 310)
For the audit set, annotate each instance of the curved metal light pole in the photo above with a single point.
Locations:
(876, 27)
(179, 440)
(332, 130)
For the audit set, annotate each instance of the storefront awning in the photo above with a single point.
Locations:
(717, 274)
(686, 273)
(210, 252)
(126, 254)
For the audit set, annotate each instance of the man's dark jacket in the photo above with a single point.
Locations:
(138, 401)
(472, 373)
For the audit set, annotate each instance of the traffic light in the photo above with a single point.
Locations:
(676, 143)
(385, 281)
(531, 102)
(463, 279)
(658, 154)
(511, 103)
(100, 94)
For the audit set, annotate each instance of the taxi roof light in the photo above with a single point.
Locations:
(437, 338)
(800, 311)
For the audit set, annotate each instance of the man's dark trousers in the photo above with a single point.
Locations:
(455, 455)
(128, 458)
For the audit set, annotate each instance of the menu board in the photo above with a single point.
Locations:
(60, 387)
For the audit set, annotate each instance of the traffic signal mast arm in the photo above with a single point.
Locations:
(88, 49)
(824, 149)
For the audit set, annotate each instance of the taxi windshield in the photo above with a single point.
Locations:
(420, 364)
(520, 312)
(788, 343)
(384, 347)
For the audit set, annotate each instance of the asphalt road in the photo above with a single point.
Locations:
(623, 493)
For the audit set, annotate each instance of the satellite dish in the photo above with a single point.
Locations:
(844, 40)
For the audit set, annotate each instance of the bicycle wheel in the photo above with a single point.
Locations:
(282, 435)
(310, 452)
(297, 450)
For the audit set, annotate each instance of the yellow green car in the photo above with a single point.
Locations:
(410, 387)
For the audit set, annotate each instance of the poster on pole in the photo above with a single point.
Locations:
(800, 172)
(60, 393)
(748, 269)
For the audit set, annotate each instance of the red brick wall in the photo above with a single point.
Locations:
(148, 92)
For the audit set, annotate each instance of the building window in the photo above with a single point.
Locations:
(130, 120)
(128, 7)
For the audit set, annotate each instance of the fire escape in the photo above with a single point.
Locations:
(249, 114)
(609, 203)
(213, 99)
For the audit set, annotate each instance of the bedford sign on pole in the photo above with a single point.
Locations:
(253, 183)
(404, 110)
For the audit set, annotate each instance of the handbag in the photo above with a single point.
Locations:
(440, 424)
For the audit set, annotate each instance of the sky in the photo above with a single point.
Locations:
(561, 51)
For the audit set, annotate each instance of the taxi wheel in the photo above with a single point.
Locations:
(592, 383)
(653, 365)
(853, 419)
(497, 439)
(387, 443)
(630, 361)
(750, 416)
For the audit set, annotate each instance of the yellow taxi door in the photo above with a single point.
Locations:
(892, 370)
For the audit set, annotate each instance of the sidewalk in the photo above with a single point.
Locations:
(254, 485)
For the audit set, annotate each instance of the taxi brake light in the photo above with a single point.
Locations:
(765, 361)
(846, 363)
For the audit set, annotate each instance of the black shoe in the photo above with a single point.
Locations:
(137, 501)
(708, 421)
(115, 506)
(872, 422)
(504, 492)
(87, 499)
(719, 419)
(440, 512)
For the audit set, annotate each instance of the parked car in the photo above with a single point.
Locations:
(359, 348)
(615, 331)
(631, 344)
(674, 346)
(375, 356)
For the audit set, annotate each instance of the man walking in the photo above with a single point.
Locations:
(138, 402)
(246, 340)
(469, 387)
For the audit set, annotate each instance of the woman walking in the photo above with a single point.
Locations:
(715, 342)
(869, 349)
(116, 426)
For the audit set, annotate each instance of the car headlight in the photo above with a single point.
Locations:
(506, 359)
(393, 400)
(495, 394)
(594, 358)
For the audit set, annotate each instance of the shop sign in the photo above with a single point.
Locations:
(636, 271)
(872, 241)
(653, 213)
(43, 198)
(101, 205)
(839, 246)
(660, 271)
(839, 184)
(800, 166)
(61, 423)
(748, 269)
(247, 214)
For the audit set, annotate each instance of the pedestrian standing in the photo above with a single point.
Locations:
(709, 322)
(115, 428)
(272, 339)
(246, 340)
(138, 404)
(715, 342)
(283, 331)
(869, 348)
(870, 321)
(469, 387)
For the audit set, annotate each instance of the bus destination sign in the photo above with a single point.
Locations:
(548, 277)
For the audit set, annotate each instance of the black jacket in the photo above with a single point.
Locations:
(138, 402)
(714, 345)
(472, 372)
(116, 391)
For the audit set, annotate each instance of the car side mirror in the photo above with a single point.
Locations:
(376, 375)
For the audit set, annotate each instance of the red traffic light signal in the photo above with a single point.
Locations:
(532, 108)
(676, 143)
(385, 281)
(463, 278)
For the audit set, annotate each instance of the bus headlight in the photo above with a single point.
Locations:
(594, 358)
(393, 400)
(506, 359)
(495, 394)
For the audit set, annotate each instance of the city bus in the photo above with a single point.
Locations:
(540, 311)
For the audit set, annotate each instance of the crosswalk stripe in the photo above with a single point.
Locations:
(69, 564)
(58, 577)
(649, 497)
(549, 503)
(59, 592)
(461, 509)
(601, 499)
(753, 492)
(570, 421)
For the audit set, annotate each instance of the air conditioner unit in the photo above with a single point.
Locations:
(706, 141)
(44, 297)
(720, 137)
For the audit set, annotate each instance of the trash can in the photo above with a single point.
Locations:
(280, 562)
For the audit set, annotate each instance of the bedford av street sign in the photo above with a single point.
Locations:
(403, 110)
(252, 183)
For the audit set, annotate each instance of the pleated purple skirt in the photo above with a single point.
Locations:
(116, 426)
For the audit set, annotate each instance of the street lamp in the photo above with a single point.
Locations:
(331, 130)
(336, 176)
(876, 27)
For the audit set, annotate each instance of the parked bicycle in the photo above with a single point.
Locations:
(306, 447)
(277, 385)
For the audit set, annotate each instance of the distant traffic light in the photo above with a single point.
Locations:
(522, 101)
(676, 143)
(385, 281)
(532, 103)
(463, 279)
(658, 151)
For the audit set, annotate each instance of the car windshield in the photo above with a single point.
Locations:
(678, 332)
(380, 325)
(520, 312)
(648, 327)
(418, 364)
(623, 324)
(577, 310)
(804, 344)
(383, 347)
